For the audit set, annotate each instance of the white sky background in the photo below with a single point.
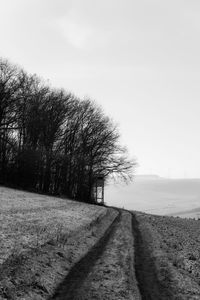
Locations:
(140, 60)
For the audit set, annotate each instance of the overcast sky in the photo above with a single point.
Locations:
(140, 60)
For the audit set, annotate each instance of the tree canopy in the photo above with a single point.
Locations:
(51, 141)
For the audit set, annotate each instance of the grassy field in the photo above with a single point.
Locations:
(29, 220)
(41, 238)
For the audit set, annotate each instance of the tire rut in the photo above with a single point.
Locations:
(77, 275)
(145, 269)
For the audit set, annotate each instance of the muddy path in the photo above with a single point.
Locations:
(120, 266)
(150, 286)
(107, 271)
(71, 285)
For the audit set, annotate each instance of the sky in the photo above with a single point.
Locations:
(140, 60)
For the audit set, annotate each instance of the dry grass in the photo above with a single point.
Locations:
(29, 220)
(41, 238)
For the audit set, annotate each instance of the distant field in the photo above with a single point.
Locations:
(179, 197)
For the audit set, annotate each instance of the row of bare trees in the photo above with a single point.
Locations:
(51, 141)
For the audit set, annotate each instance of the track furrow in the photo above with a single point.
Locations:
(145, 269)
(119, 266)
(69, 288)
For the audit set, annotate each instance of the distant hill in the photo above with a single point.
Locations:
(157, 195)
(147, 177)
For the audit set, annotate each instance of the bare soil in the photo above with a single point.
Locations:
(168, 259)
(107, 272)
(58, 249)
(149, 285)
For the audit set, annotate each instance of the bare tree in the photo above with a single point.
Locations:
(10, 84)
(53, 142)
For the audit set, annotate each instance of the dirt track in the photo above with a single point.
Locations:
(149, 285)
(106, 272)
(116, 255)
(118, 267)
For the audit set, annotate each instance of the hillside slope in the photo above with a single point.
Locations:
(58, 249)
(42, 238)
(159, 196)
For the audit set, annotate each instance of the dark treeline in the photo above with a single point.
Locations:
(51, 141)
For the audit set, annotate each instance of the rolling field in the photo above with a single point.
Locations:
(155, 195)
(53, 248)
